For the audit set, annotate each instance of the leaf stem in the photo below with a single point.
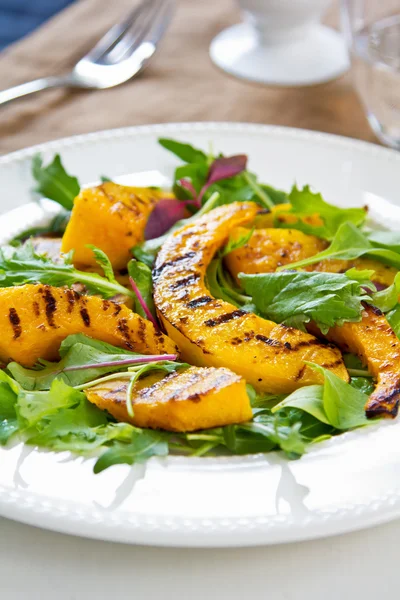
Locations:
(259, 191)
(143, 304)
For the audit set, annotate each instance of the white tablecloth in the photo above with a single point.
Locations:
(41, 565)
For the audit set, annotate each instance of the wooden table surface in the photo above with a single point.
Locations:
(181, 84)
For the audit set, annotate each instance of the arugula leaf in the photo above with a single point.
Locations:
(306, 203)
(296, 298)
(143, 445)
(185, 152)
(54, 182)
(81, 428)
(23, 265)
(141, 274)
(104, 179)
(104, 262)
(82, 359)
(34, 406)
(56, 226)
(349, 243)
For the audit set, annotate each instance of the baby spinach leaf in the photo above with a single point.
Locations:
(54, 182)
(309, 399)
(343, 404)
(387, 299)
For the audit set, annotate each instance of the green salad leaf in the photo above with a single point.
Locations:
(143, 445)
(56, 227)
(296, 298)
(305, 203)
(83, 359)
(104, 262)
(32, 406)
(185, 152)
(394, 319)
(54, 182)
(23, 265)
(385, 239)
(142, 276)
(387, 299)
(336, 403)
(241, 187)
(349, 243)
(8, 413)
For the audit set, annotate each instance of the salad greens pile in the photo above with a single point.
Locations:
(46, 405)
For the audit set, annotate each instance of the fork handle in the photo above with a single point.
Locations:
(34, 86)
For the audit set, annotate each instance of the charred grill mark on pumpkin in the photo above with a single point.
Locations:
(85, 316)
(36, 309)
(267, 340)
(141, 333)
(70, 299)
(383, 404)
(332, 364)
(106, 304)
(189, 280)
(117, 309)
(202, 301)
(300, 373)
(375, 310)
(169, 263)
(225, 318)
(15, 322)
(51, 306)
(124, 331)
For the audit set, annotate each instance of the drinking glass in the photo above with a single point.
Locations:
(372, 30)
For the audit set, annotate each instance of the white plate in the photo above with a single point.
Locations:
(344, 484)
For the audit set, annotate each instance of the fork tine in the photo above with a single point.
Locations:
(116, 32)
(150, 29)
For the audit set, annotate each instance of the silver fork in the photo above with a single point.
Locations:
(121, 53)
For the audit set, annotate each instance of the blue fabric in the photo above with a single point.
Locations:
(20, 17)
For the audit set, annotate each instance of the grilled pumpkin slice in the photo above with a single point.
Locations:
(112, 217)
(197, 398)
(372, 339)
(212, 332)
(376, 344)
(266, 219)
(268, 249)
(35, 319)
